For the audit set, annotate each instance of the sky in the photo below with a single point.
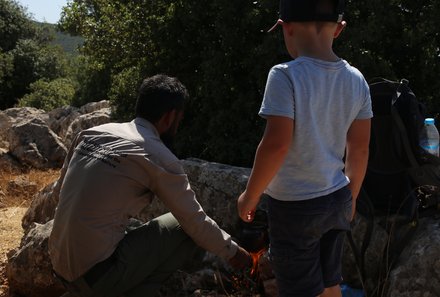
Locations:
(44, 10)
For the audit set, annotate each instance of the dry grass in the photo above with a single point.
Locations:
(16, 191)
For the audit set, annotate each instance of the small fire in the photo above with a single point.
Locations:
(255, 257)
(249, 280)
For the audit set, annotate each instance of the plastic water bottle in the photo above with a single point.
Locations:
(429, 138)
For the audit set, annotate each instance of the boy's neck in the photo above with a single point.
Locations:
(328, 56)
(311, 40)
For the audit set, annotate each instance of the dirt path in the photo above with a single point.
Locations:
(16, 192)
(10, 234)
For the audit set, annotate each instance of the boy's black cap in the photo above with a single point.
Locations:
(310, 10)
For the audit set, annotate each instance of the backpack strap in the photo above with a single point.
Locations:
(399, 123)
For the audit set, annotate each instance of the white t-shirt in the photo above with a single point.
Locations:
(323, 98)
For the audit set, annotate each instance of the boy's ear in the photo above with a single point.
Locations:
(341, 26)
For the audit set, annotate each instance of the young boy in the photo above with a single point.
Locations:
(317, 109)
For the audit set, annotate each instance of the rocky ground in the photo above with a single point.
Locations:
(16, 191)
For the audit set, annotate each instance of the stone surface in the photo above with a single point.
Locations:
(29, 270)
(42, 208)
(34, 144)
(13, 116)
(217, 187)
(418, 271)
(61, 118)
(85, 121)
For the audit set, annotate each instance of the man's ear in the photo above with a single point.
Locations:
(341, 26)
(166, 120)
(169, 117)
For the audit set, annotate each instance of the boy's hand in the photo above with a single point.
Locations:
(242, 259)
(246, 207)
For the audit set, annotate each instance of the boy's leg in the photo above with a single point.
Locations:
(306, 239)
(332, 243)
(294, 246)
(334, 291)
(146, 257)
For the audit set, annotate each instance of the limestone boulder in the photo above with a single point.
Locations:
(418, 271)
(85, 121)
(29, 270)
(42, 208)
(61, 118)
(94, 106)
(13, 116)
(34, 144)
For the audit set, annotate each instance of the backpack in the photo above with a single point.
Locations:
(402, 181)
(399, 171)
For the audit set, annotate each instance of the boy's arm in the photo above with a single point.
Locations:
(269, 157)
(356, 159)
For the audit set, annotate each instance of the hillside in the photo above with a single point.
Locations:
(68, 42)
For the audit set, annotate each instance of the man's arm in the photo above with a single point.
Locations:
(269, 157)
(356, 159)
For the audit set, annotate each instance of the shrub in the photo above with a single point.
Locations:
(48, 95)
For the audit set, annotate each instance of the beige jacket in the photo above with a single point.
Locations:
(111, 173)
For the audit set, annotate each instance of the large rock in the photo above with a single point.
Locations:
(29, 270)
(94, 106)
(42, 208)
(418, 271)
(217, 187)
(34, 144)
(85, 121)
(66, 121)
(13, 116)
(61, 118)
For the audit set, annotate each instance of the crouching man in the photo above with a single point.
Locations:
(111, 173)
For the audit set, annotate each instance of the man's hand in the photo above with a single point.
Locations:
(246, 207)
(241, 260)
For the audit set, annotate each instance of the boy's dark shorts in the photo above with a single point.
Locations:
(306, 242)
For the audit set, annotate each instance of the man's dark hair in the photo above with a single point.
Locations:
(158, 95)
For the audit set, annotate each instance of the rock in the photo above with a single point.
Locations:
(85, 121)
(42, 208)
(21, 185)
(373, 255)
(217, 187)
(61, 118)
(5, 124)
(35, 145)
(29, 270)
(418, 271)
(8, 163)
(94, 106)
(13, 116)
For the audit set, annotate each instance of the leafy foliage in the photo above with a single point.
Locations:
(49, 95)
(26, 54)
(219, 49)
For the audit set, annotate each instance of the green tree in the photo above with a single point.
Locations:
(396, 39)
(48, 95)
(26, 54)
(220, 50)
(14, 24)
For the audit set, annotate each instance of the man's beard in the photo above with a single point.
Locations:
(168, 138)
